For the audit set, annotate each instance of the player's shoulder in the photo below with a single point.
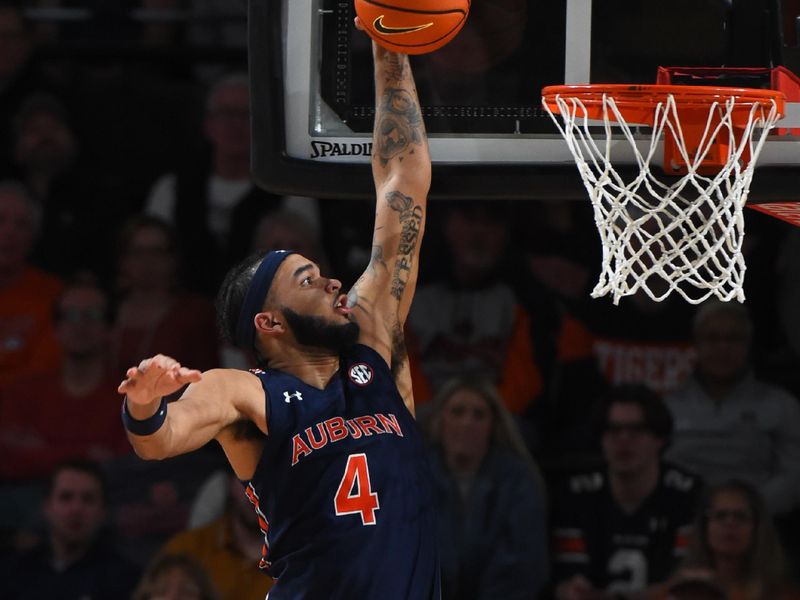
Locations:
(362, 362)
(235, 384)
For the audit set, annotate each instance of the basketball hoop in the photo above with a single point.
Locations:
(684, 236)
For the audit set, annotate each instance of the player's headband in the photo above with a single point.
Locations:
(245, 335)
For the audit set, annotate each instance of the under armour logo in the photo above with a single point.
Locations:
(296, 395)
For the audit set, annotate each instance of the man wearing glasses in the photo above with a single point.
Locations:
(728, 423)
(620, 530)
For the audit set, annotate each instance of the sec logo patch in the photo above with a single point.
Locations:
(360, 374)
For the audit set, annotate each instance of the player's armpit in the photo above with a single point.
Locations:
(401, 370)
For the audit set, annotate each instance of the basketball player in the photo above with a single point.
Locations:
(336, 470)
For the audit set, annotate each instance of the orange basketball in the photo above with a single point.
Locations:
(412, 26)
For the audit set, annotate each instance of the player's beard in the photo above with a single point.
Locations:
(315, 332)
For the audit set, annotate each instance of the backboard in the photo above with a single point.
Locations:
(311, 74)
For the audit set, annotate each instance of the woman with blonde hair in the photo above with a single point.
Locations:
(736, 541)
(489, 496)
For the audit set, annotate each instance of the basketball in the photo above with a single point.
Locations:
(412, 26)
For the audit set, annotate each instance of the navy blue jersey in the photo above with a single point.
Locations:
(621, 551)
(343, 488)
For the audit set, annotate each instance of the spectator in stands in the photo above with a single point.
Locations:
(643, 340)
(45, 146)
(43, 420)
(736, 542)
(75, 220)
(728, 424)
(558, 260)
(75, 561)
(489, 494)
(27, 295)
(228, 548)
(175, 577)
(621, 529)
(471, 319)
(19, 70)
(290, 229)
(154, 312)
(212, 201)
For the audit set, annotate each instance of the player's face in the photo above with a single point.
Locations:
(175, 584)
(722, 344)
(314, 307)
(730, 524)
(466, 427)
(628, 445)
(75, 509)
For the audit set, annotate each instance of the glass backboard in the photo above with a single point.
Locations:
(312, 87)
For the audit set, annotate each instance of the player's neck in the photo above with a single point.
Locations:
(631, 489)
(312, 368)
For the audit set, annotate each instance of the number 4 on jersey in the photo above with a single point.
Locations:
(363, 501)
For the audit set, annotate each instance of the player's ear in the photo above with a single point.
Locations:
(268, 323)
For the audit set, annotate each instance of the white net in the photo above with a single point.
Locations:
(684, 236)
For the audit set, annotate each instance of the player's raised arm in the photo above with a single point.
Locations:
(213, 401)
(401, 168)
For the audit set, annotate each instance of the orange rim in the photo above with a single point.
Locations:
(637, 102)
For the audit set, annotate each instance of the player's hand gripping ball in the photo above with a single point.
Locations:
(412, 26)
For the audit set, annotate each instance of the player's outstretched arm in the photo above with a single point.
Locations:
(401, 168)
(213, 401)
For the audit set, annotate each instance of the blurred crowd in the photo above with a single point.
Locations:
(580, 451)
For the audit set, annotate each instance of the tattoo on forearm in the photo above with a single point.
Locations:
(398, 124)
(396, 66)
(376, 263)
(411, 222)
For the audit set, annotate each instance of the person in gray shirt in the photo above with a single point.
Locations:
(729, 424)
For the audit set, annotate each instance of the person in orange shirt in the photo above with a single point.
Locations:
(28, 343)
(471, 319)
(45, 419)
